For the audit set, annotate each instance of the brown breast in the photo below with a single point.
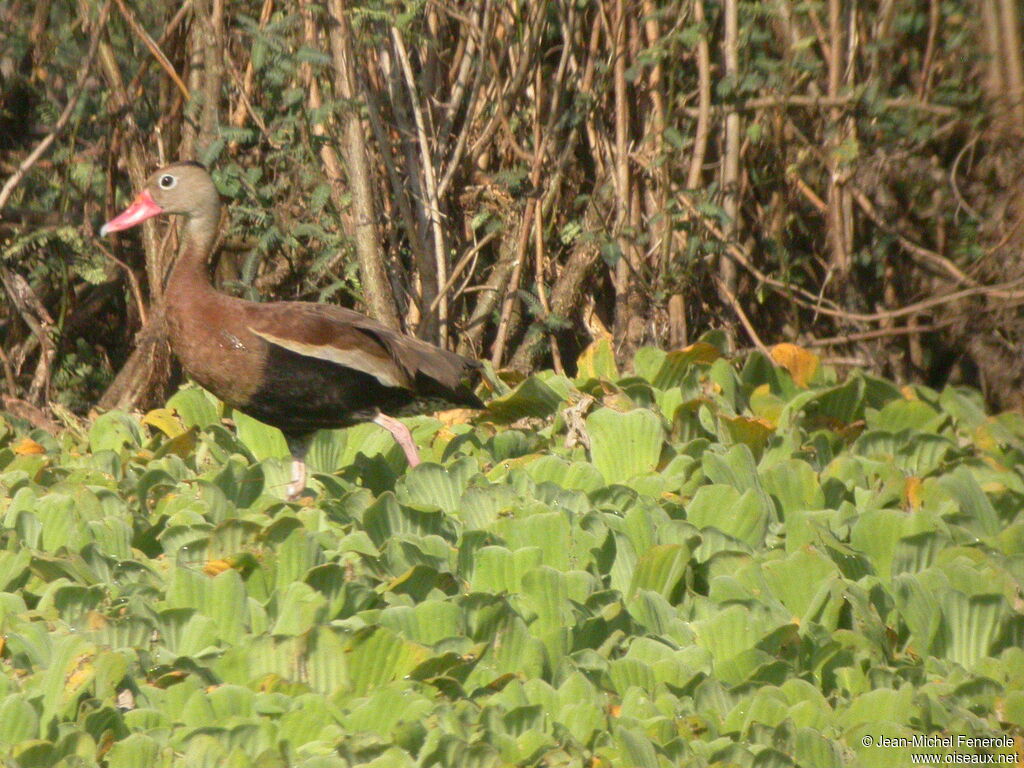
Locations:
(216, 349)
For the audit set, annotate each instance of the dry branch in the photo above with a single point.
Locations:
(380, 301)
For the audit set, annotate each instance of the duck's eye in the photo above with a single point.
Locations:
(167, 181)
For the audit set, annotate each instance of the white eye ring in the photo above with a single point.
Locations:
(167, 181)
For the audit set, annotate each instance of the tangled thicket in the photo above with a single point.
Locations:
(515, 178)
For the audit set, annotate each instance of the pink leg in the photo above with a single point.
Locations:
(298, 445)
(298, 483)
(402, 436)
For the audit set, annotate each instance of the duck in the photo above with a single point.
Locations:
(295, 365)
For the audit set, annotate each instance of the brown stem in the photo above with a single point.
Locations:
(154, 48)
(744, 320)
(731, 159)
(567, 290)
(509, 301)
(133, 282)
(212, 38)
(934, 20)
(143, 379)
(243, 108)
(135, 87)
(1012, 64)
(432, 201)
(380, 300)
(34, 314)
(838, 197)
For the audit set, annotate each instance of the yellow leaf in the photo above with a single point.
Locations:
(455, 416)
(801, 363)
(753, 433)
(107, 740)
(701, 352)
(171, 678)
(984, 439)
(28, 447)
(181, 446)
(78, 676)
(598, 361)
(214, 567)
(165, 420)
(912, 493)
(618, 400)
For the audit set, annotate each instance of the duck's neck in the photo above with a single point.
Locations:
(191, 274)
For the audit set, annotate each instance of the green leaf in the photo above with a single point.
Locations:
(264, 441)
(114, 430)
(801, 581)
(636, 749)
(970, 626)
(535, 397)
(675, 365)
(497, 570)
(433, 486)
(18, 720)
(729, 633)
(196, 407)
(974, 505)
(576, 475)
(660, 569)
(742, 516)
(136, 750)
(624, 445)
(903, 414)
(377, 656)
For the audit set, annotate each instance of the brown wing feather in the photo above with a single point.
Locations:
(350, 339)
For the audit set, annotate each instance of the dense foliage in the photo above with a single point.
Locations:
(705, 562)
(513, 178)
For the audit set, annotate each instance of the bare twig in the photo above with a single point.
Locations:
(952, 177)
(1004, 291)
(933, 259)
(880, 333)
(430, 182)
(509, 302)
(731, 160)
(461, 265)
(133, 282)
(731, 300)
(153, 46)
(135, 86)
(378, 295)
(37, 318)
(703, 129)
(9, 377)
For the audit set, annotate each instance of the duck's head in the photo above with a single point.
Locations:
(184, 189)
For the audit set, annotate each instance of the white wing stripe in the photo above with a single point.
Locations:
(350, 358)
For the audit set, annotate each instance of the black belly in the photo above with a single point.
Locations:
(300, 394)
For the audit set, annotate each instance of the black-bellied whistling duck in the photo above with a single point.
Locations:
(294, 365)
